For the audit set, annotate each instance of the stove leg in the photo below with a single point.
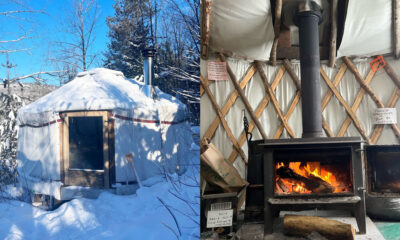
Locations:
(361, 217)
(268, 218)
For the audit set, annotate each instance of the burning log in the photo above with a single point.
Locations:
(303, 226)
(282, 186)
(311, 182)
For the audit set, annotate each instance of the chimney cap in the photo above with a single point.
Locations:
(149, 52)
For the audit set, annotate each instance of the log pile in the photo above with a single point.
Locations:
(303, 226)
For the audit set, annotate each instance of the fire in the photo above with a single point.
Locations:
(306, 178)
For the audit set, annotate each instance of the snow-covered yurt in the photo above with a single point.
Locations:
(80, 134)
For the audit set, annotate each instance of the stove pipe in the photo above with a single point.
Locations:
(148, 71)
(308, 20)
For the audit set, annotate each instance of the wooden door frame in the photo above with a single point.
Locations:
(64, 146)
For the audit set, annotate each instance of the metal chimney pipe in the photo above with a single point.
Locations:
(148, 71)
(308, 21)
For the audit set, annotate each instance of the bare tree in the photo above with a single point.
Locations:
(21, 13)
(79, 25)
(185, 35)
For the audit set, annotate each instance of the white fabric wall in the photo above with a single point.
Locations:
(285, 92)
(39, 159)
(154, 147)
(368, 28)
(242, 28)
(144, 141)
(39, 152)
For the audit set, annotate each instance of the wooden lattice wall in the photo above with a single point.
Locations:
(269, 97)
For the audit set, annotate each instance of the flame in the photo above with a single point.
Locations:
(307, 169)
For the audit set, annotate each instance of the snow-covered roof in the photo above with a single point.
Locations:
(99, 89)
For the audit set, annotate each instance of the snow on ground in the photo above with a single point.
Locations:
(139, 216)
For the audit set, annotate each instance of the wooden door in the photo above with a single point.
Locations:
(85, 150)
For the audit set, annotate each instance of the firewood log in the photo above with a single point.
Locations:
(303, 226)
(311, 182)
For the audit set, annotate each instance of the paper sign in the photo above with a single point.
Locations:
(220, 218)
(217, 71)
(385, 116)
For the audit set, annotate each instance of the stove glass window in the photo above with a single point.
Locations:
(313, 171)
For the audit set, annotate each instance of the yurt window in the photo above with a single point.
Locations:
(85, 143)
(85, 140)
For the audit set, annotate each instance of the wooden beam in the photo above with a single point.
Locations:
(392, 75)
(246, 102)
(345, 105)
(396, 27)
(61, 129)
(205, 27)
(332, 47)
(222, 120)
(259, 111)
(277, 26)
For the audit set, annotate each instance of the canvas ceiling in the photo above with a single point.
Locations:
(244, 29)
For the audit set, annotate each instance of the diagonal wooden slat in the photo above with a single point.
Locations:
(222, 119)
(362, 83)
(356, 104)
(338, 78)
(392, 75)
(231, 100)
(370, 91)
(249, 108)
(345, 105)
(376, 133)
(396, 81)
(263, 104)
(275, 103)
(325, 125)
(201, 87)
(296, 99)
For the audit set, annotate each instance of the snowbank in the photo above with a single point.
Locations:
(139, 216)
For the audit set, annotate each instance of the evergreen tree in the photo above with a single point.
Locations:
(175, 36)
(129, 31)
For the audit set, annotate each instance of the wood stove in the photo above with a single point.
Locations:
(383, 170)
(311, 172)
(303, 174)
(383, 181)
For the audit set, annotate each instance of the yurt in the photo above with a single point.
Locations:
(80, 134)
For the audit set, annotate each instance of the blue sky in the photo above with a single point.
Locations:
(46, 29)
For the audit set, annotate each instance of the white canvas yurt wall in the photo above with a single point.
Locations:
(155, 131)
(367, 32)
